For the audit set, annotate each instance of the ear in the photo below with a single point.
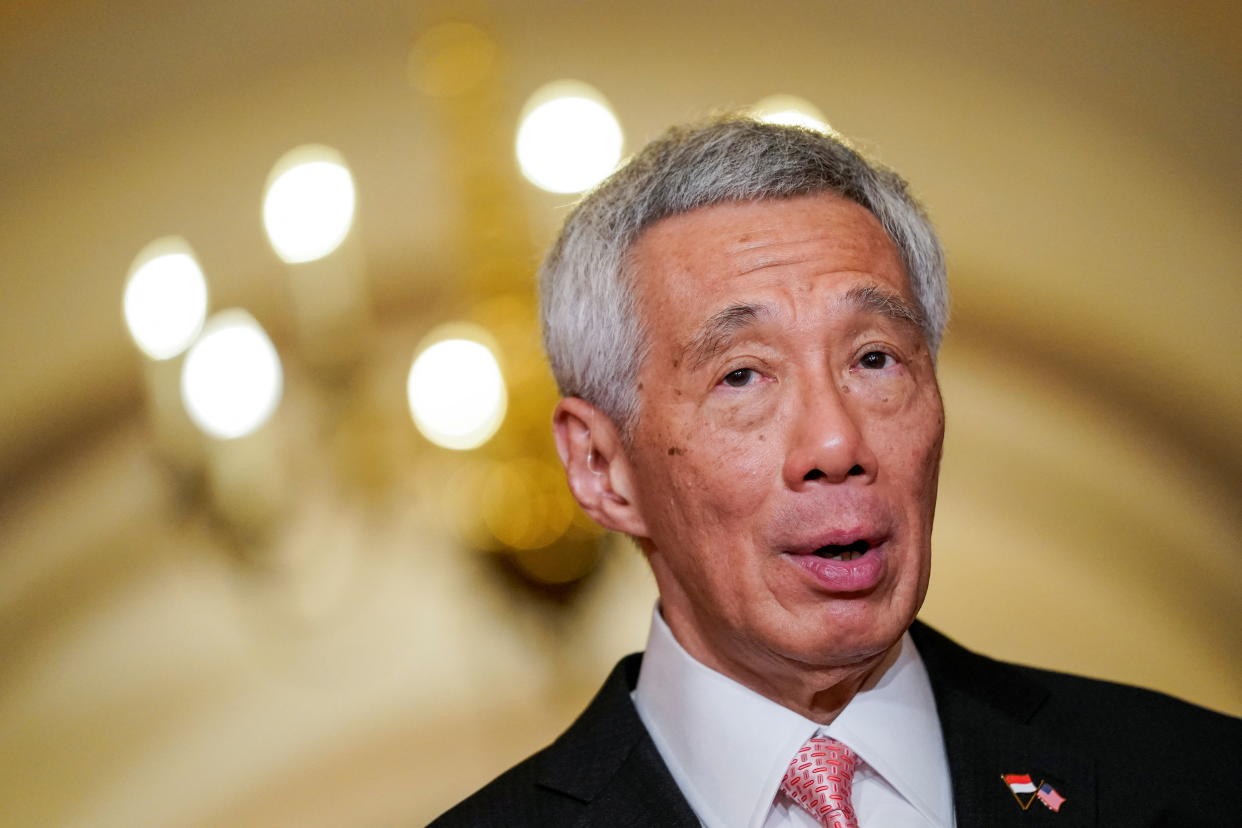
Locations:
(599, 472)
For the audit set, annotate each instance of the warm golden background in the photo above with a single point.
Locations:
(371, 653)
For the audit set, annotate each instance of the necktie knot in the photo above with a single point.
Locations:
(820, 779)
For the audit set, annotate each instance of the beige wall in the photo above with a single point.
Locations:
(1080, 160)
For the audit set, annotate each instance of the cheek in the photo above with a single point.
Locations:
(722, 480)
(911, 449)
(714, 470)
(737, 454)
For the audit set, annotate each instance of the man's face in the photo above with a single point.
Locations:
(787, 448)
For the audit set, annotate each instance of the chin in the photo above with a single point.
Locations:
(851, 634)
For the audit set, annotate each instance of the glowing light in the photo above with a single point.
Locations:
(165, 298)
(791, 110)
(568, 140)
(456, 392)
(231, 381)
(309, 205)
(451, 58)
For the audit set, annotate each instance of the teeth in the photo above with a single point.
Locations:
(850, 552)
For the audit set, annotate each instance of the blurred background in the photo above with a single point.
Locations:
(283, 540)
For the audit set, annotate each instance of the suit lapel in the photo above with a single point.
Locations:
(607, 761)
(989, 715)
(641, 793)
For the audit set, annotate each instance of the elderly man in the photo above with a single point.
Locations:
(743, 322)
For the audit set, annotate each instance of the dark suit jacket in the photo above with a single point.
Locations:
(1119, 755)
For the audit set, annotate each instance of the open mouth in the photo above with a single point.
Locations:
(846, 552)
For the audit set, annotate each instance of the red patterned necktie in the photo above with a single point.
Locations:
(820, 779)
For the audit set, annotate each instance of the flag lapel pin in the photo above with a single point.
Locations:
(1022, 788)
(1025, 791)
(1049, 796)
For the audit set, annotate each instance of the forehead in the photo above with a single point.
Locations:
(686, 265)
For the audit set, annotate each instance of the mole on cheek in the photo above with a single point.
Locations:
(761, 438)
(845, 389)
(673, 450)
(677, 363)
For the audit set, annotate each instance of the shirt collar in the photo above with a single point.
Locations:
(727, 747)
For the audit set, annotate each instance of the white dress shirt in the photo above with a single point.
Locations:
(727, 747)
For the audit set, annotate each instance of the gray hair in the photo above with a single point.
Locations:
(591, 330)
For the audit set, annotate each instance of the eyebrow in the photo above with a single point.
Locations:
(874, 299)
(716, 333)
(719, 329)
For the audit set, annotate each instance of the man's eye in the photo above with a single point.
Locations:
(740, 377)
(875, 360)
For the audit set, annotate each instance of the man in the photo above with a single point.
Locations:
(743, 322)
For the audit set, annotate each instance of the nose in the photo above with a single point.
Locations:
(828, 443)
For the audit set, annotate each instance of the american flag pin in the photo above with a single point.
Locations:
(1049, 796)
(1026, 791)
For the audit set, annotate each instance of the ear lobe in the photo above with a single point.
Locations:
(596, 466)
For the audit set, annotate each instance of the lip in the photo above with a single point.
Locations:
(859, 575)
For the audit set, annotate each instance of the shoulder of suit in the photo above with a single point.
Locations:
(1090, 710)
(542, 789)
(499, 801)
(1112, 708)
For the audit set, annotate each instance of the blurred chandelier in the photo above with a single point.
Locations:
(478, 390)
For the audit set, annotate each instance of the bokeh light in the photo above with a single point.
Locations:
(524, 504)
(456, 391)
(165, 298)
(231, 381)
(451, 58)
(569, 139)
(309, 205)
(791, 110)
